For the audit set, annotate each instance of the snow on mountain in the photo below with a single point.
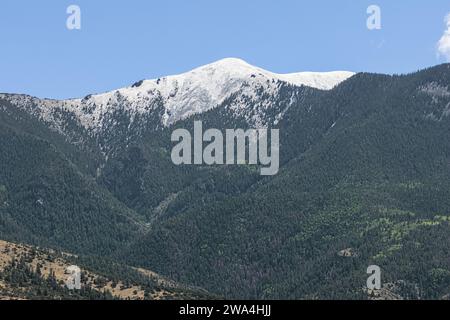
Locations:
(318, 80)
(207, 87)
(186, 94)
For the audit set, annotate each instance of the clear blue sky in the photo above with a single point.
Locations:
(124, 41)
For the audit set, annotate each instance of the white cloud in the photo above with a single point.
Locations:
(443, 45)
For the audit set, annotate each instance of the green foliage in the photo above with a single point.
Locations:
(45, 199)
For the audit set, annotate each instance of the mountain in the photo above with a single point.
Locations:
(365, 166)
(364, 179)
(180, 96)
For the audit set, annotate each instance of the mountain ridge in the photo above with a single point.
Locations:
(183, 95)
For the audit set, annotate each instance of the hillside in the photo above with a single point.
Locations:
(32, 273)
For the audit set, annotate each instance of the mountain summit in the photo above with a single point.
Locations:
(183, 95)
(206, 87)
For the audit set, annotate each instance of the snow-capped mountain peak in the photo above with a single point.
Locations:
(180, 96)
(208, 86)
(215, 76)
